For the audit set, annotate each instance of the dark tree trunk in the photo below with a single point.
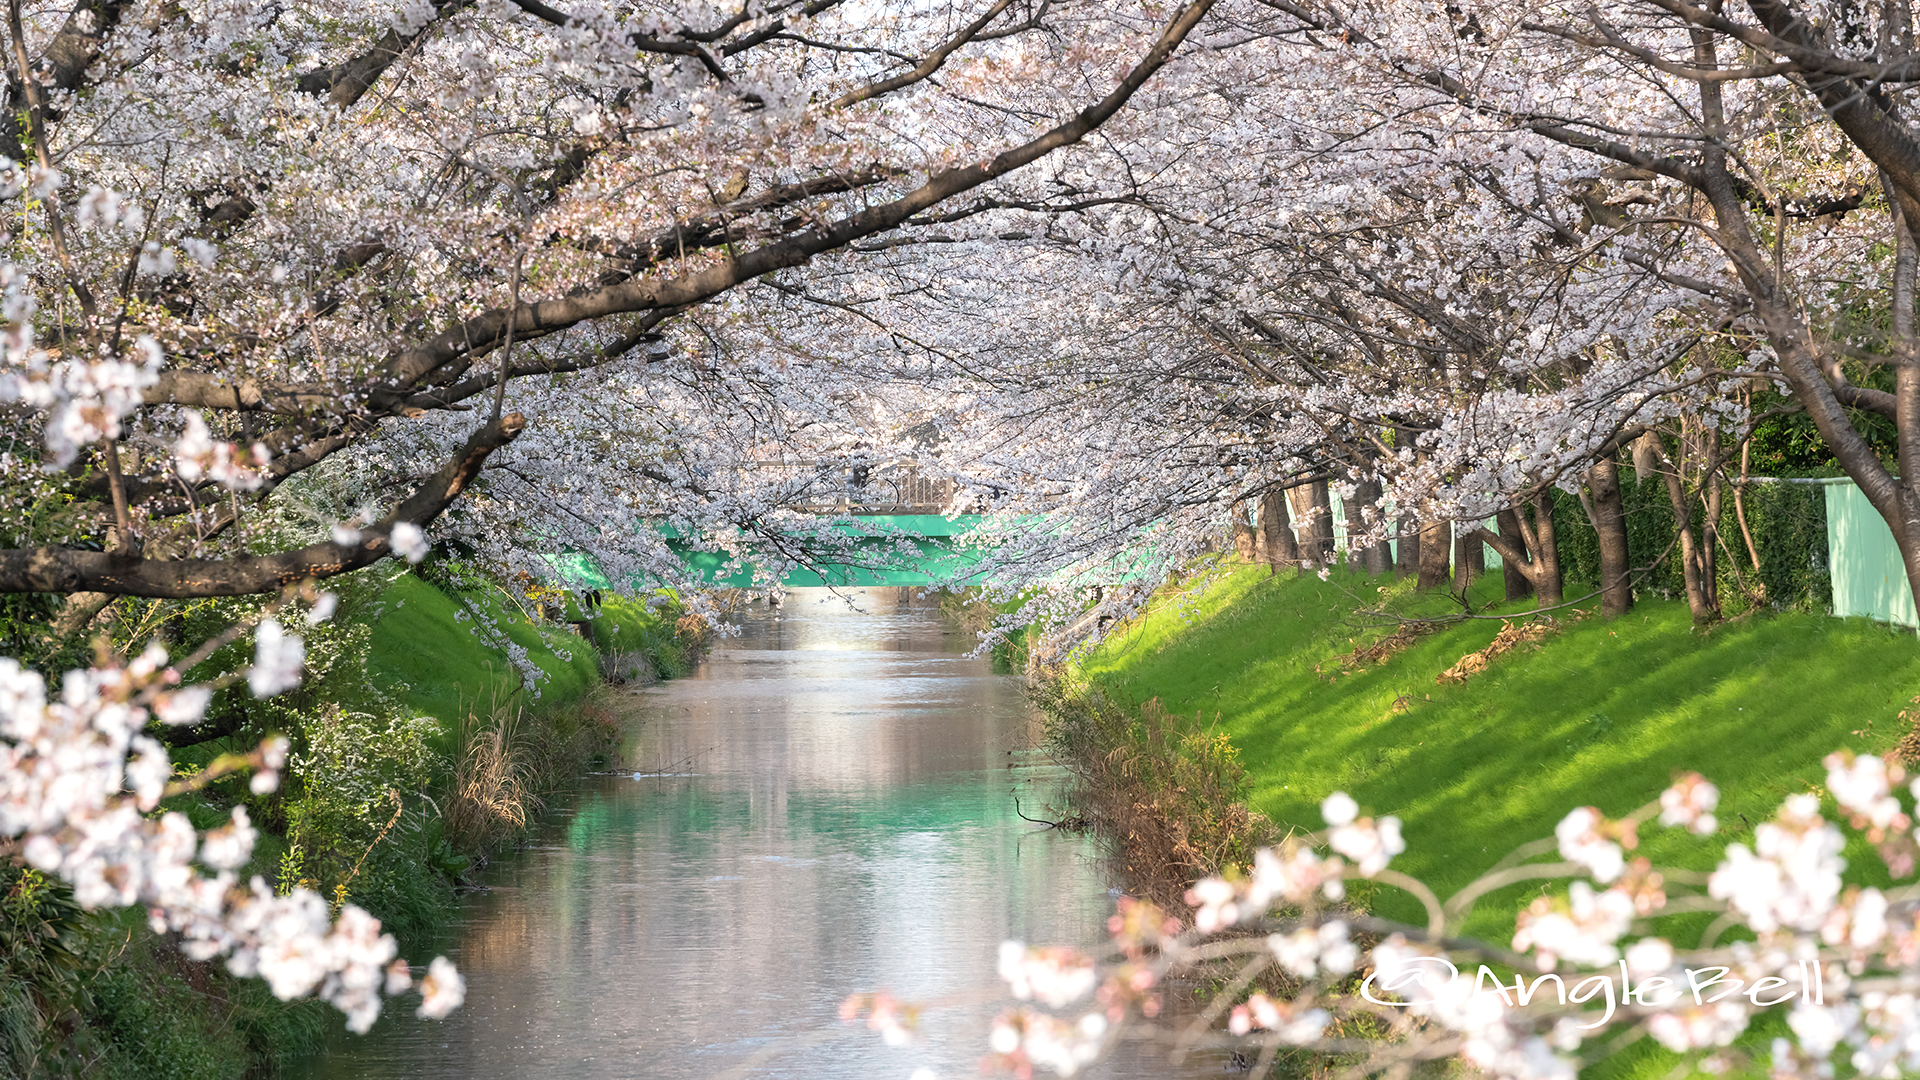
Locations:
(1537, 556)
(1518, 587)
(1277, 547)
(1243, 536)
(1406, 558)
(1646, 456)
(1365, 505)
(1698, 566)
(1320, 524)
(1610, 522)
(1469, 560)
(1436, 551)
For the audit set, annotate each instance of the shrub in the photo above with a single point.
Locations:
(1168, 792)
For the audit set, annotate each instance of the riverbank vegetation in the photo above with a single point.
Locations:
(1595, 712)
(1272, 691)
(440, 713)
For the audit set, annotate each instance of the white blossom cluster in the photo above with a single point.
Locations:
(80, 787)
(1839, 961)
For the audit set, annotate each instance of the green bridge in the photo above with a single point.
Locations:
(875, 560)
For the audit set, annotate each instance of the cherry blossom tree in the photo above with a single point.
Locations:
(252, 239)
(249, 244)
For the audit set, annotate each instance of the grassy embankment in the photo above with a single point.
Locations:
(128, 1005)
(1602, 713)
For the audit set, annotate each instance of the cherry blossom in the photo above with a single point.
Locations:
(278, 659)
(1690, 802)
(1582, 840)
(1055, 977)
(79, 784)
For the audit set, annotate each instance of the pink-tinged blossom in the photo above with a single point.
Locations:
(1371, 845)
(77, 779)
(1054, 976)
(1686, 1026)
(1582, 929)
(1339, 809)
(1820, 1029)
(1291, 1023)
(273, 757)
(323, 608)
(197, 456)
(1581, 841)
(1293, 875)
(200, 251)
(1690, 802)
(443, 990)
(1216, 901)
(1792, 877)
(183, 706)
(399, 978)
(1862, 787)
(1859, 923)
(105, 209)
(87, 399)
(230, 846)
(884, 1013)
(1649, 956)
(277, 660)
(1024, 1039)
(1308, 951)
(408, 541)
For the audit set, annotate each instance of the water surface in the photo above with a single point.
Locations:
(825, 807)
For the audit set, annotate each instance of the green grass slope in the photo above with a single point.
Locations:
(428, 652)
(1603, 714)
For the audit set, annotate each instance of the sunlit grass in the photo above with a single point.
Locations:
(1604, 714)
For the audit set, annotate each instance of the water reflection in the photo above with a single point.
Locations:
(839, 819)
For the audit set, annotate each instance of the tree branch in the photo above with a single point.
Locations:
(65, 570)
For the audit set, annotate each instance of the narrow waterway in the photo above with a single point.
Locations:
(825, 807)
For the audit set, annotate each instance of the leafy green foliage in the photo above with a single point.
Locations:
(1789, 527)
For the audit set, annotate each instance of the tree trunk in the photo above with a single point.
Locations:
(1469, 560)
(1372, 558)
(1436, 551)
(1320, 524)
(1610, 522)
(1697, 563)
(1243, 535)
(1646, 456)
(1537, 556)
(1518, 587)
(1406, 559)
(1277, 547)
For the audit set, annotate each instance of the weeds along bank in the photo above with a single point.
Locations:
(439, 713)
(1267, 693)
(1225, 715)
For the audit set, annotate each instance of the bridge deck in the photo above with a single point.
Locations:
(936, 559)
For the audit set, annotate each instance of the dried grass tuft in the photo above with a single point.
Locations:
(493, 794)
(1169, 792)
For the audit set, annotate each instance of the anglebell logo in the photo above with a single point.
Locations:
(1418, 980)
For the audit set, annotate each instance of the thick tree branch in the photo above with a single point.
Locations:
(65, 570)
(411, 366)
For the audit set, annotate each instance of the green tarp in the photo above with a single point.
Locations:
(1868, 578)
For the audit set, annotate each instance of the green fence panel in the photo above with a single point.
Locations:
(1868, 576)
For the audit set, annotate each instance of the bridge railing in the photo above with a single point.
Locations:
(837, 486)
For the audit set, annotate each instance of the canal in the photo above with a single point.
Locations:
(825, 806)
